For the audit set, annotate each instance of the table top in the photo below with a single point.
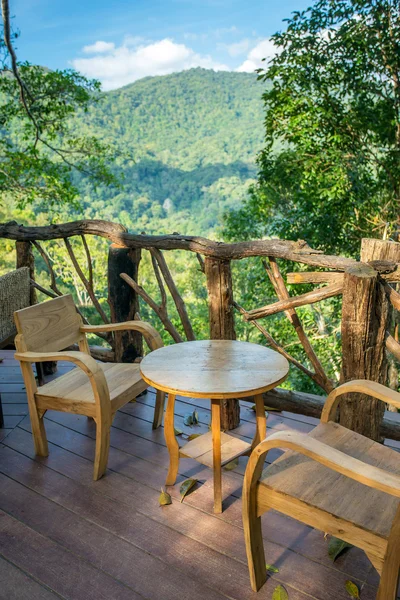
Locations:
(214, 369)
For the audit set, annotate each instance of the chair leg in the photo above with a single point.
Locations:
(38, 431)
(254, 548)
(391, 564)
(159, 409)
(102, 447)
(389, 582)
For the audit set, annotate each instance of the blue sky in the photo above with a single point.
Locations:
(121, 41)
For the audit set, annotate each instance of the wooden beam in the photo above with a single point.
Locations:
(124, 302)
(301, 300)
(222, 323)
(365, 314)
(314, 277)
(297, 251)
(277, 281)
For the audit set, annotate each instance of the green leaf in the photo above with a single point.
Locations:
(177, 431)
(193, 436)
(195, 417)
(352, 589)
(336, 547)
(271, 568)
(164, 498)
(280, 593)
(232, 465)
(186, 486)
(188, 419)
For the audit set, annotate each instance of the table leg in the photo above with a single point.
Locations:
(261, 421)
(216, 438)
(172, 444)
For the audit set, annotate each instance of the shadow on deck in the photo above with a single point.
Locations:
(64, 536)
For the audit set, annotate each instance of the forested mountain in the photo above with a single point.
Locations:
(186, 145)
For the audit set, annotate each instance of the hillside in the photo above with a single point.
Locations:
(193, 137)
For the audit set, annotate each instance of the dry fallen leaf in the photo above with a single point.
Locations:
(280, 593)
(231, 465)
(193, 436)
(186, 486)
(352, 589)
(271, 408)
(164, 498)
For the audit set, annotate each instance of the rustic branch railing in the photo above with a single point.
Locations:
(365, 289)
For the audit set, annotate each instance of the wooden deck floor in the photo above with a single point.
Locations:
(64, 536)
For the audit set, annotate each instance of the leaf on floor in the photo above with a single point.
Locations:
(186, 486)
(280, 593)
(272, 568)
(195, 417)
(188, 419)
(271, 408)
(232, 465)
(1, 359)
(352, 589)
(193, 436)
(177, 431)
(164, 498)
(336, 547)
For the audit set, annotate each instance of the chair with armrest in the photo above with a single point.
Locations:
(332, 479)
(93, 389)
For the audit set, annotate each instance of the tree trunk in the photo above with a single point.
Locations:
(372, 250)
(365, 316)
(123, 301)
(25, 258)
(222, 326)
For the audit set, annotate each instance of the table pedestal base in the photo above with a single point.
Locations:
(214, 449)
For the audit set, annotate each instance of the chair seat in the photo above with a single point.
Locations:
(73, 390)
(297, 476)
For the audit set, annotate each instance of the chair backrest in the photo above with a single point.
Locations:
(50, 326)
(14, 295)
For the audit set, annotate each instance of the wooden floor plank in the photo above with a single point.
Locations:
(16, 585)
(211, 532)
(89, 541)
(52, 565)
(199, 562)
(56, 494)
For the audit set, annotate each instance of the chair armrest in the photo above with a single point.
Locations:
(326, 455)
(151, 335)
(83, 361)
(362, 386)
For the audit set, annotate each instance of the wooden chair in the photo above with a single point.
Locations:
(334, 480)
(93, 389)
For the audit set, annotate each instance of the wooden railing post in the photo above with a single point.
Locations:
(222, 323)
(123, 302)
(373, 250)
(25, 258)
(365, 315)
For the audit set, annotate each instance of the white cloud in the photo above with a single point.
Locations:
(99, 48)
(236, 48)
(264, 49)
(118, 66)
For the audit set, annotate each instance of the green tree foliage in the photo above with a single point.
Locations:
(330, 169)
(38, 151)
(194, 136)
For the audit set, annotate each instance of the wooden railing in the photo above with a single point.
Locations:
(366, 287)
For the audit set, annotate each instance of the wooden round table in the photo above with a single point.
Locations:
(215, 369)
